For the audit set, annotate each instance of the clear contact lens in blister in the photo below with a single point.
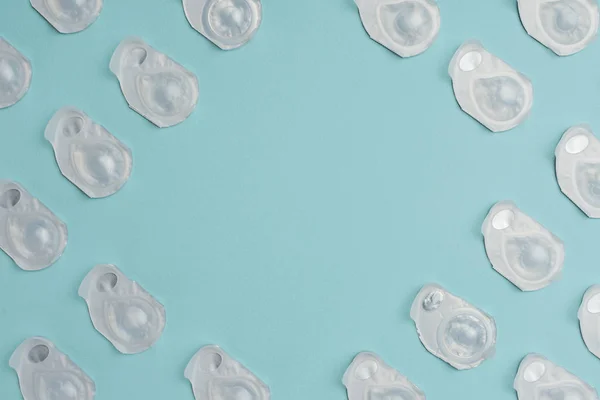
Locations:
(369, 378)
(229, 24)
(155, 86)
(46, 373)
(68, 16)
(29, 232)
(488, 89)
(564, 26)
(215, 375)
(121, 310)
(589, 319)
(521, 249)
(15, 74)
(406, 27)
(578, 168)
(452, 329)
(539, 379)
(87, 154)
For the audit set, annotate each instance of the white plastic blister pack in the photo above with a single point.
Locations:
(121, 310)
(216, 376)
(406, 27)
(69, 16)
(564, 26)
(369, 378)
(87, 154)
(15, 74)
(540, 379)
(45, 373)
(30, 233)
(155, 86)
(488, 89)
(452, 329)
(578, 168)
(521, 249)
(589, 319)
(229, 24)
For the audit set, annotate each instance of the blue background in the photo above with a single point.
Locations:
(320, 182)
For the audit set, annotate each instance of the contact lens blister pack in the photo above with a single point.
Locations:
(46, 373)
(229, 24)
(155, 86)
(215, 375)
(369, 378)
(452, 329)
(520, 249)
(121, 310)
(578, 168)
(30, 233)
(406, 27)
(538, 378)
(69, 16)
(87, 154)
(564, 26)
(589, 319)
(15, 74)
(488, 89)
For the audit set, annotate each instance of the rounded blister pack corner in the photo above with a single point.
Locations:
(369, 377)
(47, 373)
(442, 320)
(539, 378)
(121, 310)
(405, 27)
(566, 26)
(69, 16)
(521, 249)
(87, 154)
(578, 168)
(32, 235)
(15, 74)
(154, 85)
(228, 24)
(589, 319)
(488, 89)
(215, 374)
